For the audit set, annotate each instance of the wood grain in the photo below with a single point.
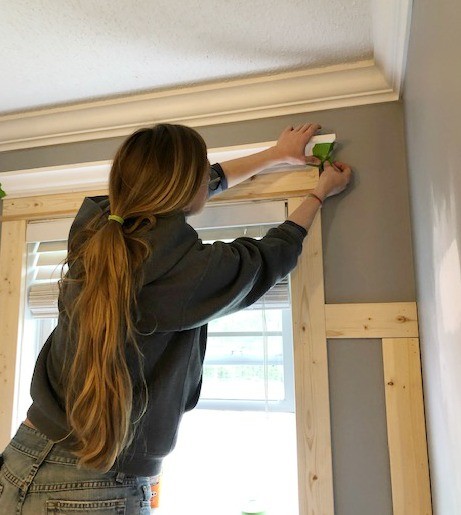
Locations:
(315, 471)
(375, 320)
(406, 427)
(12, 283)
(265, 186)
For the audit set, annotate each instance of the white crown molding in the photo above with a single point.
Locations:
(94, 176)
(262, 97)
(366, 82)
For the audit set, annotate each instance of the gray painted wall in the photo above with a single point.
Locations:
(432, 99)
(367, 258)
(360, 458)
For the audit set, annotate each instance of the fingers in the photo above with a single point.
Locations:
(306, 130)
(343, 167)
(328, 164)
(339, 166)
(313, 161)
(288, 129)
(307, 127)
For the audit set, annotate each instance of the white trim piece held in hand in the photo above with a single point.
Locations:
(94, 176)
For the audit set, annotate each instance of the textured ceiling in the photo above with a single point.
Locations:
(56, 52)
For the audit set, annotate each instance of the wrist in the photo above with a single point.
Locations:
(320, 193)
(275, 156)
(315, 198)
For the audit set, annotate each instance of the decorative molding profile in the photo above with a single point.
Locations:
(245, 99)
(365, 82)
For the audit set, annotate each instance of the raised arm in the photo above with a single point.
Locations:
(288, 149)
(333, 180)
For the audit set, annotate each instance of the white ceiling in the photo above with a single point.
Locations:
(56, 52)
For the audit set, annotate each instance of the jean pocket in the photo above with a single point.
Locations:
(64, 507)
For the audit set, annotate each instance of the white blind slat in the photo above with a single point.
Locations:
(52, 246)
(51, 259)
(43, 300)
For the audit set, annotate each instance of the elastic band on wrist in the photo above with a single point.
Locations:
(315, 196)
(117, 218)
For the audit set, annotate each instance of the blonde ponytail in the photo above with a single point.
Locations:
(157, 171)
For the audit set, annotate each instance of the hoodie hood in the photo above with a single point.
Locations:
(170, 239)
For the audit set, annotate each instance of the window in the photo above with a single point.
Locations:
(40, 317)
(242, 438)
(248, 364)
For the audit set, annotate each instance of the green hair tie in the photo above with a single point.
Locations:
(117, 218)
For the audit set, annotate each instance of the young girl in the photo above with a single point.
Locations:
(125, 361)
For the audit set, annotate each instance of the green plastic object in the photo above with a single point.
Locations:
(2, 193)
(324, 152)
(253, 507)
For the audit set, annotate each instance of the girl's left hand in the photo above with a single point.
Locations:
(292, 143)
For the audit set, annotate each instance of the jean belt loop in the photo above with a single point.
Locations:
(120, 477)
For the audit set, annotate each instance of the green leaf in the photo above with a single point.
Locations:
(2, 193)
(323, 150)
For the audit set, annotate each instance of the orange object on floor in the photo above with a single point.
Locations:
(155, 487)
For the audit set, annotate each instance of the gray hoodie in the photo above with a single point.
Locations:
(186, 284)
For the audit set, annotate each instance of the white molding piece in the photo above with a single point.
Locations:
(94, 176)
(55, 179)
(211, 104)
(391, 20)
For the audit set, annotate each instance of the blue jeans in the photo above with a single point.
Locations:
(39, 477)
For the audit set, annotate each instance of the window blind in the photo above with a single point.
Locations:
(48, 258)
(48, 244)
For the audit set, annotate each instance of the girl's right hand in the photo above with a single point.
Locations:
(333, 180)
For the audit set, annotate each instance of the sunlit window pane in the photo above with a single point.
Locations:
(245, 382)
(244, 349)
(249, 320)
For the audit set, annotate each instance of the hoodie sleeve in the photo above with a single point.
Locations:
(218, 180)
(237, 274)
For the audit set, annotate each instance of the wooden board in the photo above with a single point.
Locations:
(406, 427)
(315, 471)
(272, 185)
(12, 282)
(260, 187)
(376, 320)
(59, 205)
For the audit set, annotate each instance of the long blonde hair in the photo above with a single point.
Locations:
(157, 171)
